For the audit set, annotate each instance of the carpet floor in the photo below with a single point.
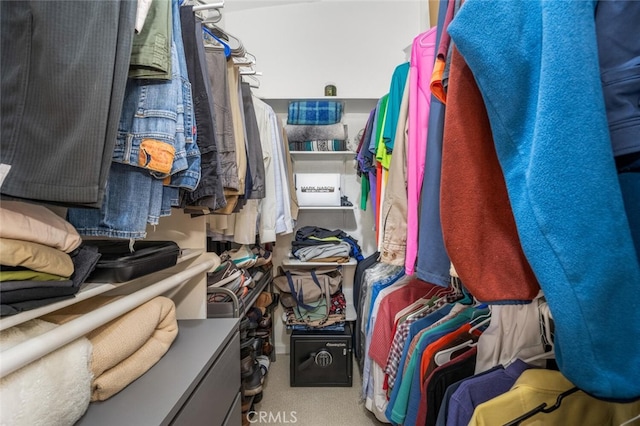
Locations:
(310, 406)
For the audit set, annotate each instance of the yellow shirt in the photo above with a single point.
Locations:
(536, 386)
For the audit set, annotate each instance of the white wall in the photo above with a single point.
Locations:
(301, 46)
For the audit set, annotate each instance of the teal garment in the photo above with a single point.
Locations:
(397, 410)
(398, 81)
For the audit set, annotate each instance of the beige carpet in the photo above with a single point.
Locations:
(310, 406)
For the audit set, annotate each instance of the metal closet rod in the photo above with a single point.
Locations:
(35, 348)
(216, 5)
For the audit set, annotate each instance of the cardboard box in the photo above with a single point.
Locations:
(318, 189)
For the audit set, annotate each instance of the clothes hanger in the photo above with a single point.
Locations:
(542, 408)
(208, 6)
(254, 82)
(244, 60)
(208, 36)
(428, 306)
(444, 356)
(234, 42)
(250, 72)
(212, 19)
(485, 320)
(631, 420)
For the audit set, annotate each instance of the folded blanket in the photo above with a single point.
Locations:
(53, 390)
(301, 133)
(125, 348)
(314, 112)
(319, 145)
(313, 253)
(32, 222)
(36, 256)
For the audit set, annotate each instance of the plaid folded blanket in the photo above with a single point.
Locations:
(314, 112)
(319, 145)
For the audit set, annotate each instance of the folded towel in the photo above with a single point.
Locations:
(314, 112)
(32, 222)
(125, 348)
(36, 256)
(319, 145)
(342, 249)
(301, 133)
(53, 390)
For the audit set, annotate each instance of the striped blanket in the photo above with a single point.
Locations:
(314, 112)
(319, 145)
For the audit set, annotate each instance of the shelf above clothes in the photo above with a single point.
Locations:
(351, 104)
(90, 290)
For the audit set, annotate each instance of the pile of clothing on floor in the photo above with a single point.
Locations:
(316, 126)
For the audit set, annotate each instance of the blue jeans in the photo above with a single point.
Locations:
(189, 176)
(149, 123)
(130, 195)
(156, 139)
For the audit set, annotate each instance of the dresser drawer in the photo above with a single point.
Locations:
(210, 401)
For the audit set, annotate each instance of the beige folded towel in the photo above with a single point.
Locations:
(38, 224)
(125, 348)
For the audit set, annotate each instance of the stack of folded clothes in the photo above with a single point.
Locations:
(316, 126)
(312, 243)
(42, 259)
(238, 272)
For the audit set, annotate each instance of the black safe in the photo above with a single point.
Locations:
(321, 358)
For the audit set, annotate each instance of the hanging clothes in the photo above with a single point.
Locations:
(77, 103)
(560, 178)
(479, 221)
(433, 262)
(422, 56)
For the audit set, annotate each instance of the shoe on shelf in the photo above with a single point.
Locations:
(265, 322)
(267, 300)
(246, 366)
(247, 401)
(267, 348)
(253, 384)
(225, 273)
(263, 256)
(254, 314)
(243, 257)
(264, 362)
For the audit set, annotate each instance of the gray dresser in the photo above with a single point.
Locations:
(197, 382)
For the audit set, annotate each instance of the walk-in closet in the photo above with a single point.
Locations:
(320, 212)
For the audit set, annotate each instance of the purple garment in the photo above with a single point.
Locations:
(481, 388)
(443, 412)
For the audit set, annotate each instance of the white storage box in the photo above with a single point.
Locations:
(318, 189)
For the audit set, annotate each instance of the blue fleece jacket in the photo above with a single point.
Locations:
(536, 64)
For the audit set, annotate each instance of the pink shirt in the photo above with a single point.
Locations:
(421, 68)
